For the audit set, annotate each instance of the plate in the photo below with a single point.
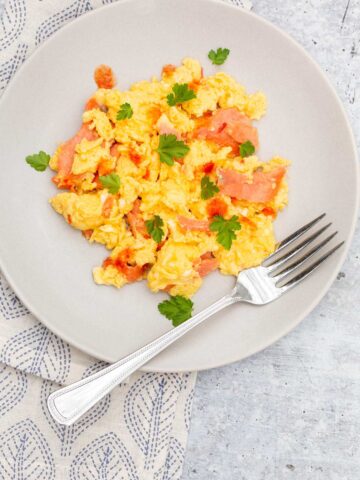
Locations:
(49, 265)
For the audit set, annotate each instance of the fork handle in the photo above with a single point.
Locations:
(68, 404)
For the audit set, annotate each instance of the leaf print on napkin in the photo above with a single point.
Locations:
(105, 458)
(12, 22)
(96, 366)
(56, 21)
(13, 386)
(149, 411)
(10, 305)
(38, 351)
(187, 409)
(69, 434)
(25, 454)
(174, 462)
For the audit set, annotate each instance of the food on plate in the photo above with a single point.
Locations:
(166, 176)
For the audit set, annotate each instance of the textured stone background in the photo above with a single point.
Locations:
(293, 411)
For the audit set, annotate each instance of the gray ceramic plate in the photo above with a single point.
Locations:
(49, 264)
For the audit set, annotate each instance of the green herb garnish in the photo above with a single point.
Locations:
(154, 228)
(208, 188)
(178, 309)
(170, 147)
(111, 182)
(219, 57)
(181, 93)
(225, 230)
(125, 112)
(246, 149)
(38, 161)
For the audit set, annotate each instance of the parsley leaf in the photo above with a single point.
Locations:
(178, 309)
(181, 93)
(208, 188)
(219, 57)
(225, 230)
(154, 228)
(125, 112)
(246, 149)
(111, 182)
(38, 161)
(170, 147)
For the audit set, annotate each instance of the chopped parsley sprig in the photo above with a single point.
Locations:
(178, 309)
(225, 230)
(154, 228)
(111, 182)
(246, 149)
(219, 56)
(180, 93)
(38, 161)
(125, 112)
(170, 147)
(208, 188)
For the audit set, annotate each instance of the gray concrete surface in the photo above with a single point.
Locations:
(293, 411)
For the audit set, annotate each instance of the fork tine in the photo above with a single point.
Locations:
(309, 270)
(294, 236)
(287, 270)
(291, 253)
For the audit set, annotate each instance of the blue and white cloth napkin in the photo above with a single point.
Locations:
(139, 431)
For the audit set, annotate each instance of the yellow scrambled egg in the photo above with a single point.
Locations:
(214, 124)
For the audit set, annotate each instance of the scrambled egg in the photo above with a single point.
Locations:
(244, 187)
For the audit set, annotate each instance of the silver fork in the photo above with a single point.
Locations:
(258, 286)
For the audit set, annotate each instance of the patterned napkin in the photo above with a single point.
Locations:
(139, 431)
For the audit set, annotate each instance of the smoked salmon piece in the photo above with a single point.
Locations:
(91, 104)
(67, 152)
(193, 224)
(132, 272)
(104, 77)
(107, 206)
(136, 223)
(207, 264)
(114, 152)
(121, 263)
(228, 127)
(87, 233)
(69, 182)
(262, 188)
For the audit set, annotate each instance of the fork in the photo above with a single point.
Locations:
(258, 286)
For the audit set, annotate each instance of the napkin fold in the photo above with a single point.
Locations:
(139, 431)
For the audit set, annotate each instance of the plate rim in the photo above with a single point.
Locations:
(342, 256)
